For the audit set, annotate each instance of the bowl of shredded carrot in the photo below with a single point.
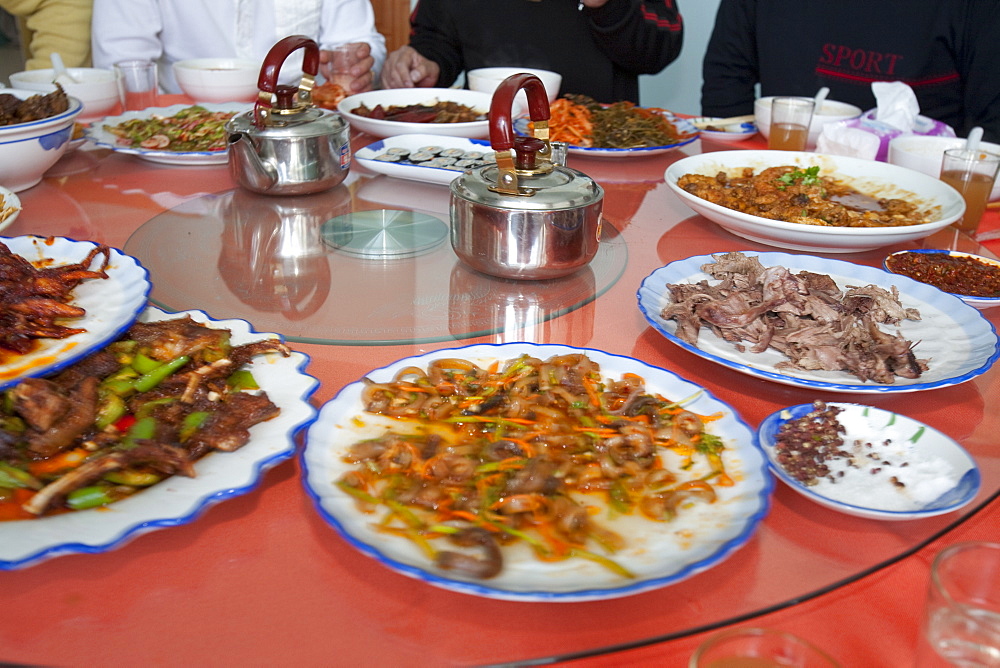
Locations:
(614, 130)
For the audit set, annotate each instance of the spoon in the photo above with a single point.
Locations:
(972, 143)
(60, 70)
(820, 97)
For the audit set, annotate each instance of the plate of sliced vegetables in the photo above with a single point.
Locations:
(180, 134)
(176, 436)
(521, 459)
(619, 130)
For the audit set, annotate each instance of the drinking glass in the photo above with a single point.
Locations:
(790, 118)
(759, 648)
(137, 84)
(971, 173)
(342, 59)
(962, 615)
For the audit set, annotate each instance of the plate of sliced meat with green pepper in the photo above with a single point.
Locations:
(85, 454)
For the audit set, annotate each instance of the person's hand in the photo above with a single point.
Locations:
(350, 66)
(594, 4)
(405, 68)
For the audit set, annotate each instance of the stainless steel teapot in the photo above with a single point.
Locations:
(285, 145)
(526, 217)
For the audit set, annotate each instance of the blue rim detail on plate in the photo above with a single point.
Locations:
(976, 302)
(127, 282)
(97, 134)
(271, 442)
(687, 131)
(318, 480)
(961, 494)
(984, 347)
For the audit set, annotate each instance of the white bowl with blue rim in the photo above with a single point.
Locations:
(920, 472)
(27, 150)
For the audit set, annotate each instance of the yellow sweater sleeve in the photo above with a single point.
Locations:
(54, 25)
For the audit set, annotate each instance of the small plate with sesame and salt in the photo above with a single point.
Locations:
(868, 462)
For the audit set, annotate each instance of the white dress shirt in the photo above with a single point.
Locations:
(171, 30)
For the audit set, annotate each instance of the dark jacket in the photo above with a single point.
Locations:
(948, 51)
(598, 52)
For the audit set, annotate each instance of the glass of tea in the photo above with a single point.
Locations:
(790, 118)
(971, 173)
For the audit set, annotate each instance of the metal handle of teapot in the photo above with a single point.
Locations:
(286, 96)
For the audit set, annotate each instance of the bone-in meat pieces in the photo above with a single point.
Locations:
(806, 316)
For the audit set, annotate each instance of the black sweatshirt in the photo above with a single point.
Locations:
(948, 51)
(598, 52)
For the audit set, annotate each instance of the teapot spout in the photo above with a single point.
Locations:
(246, 167)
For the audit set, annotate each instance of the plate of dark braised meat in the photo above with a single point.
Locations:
(972, 278)
(451, 112)
(179, 412)
(867, 461)
(536, 472)
(60, 299)
(813, 322)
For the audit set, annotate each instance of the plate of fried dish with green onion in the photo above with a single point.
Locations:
(180, 412)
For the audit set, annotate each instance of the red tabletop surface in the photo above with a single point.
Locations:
(262, 579)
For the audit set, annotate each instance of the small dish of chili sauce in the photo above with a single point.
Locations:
(972, 278)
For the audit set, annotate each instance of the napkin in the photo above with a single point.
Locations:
(896, 113)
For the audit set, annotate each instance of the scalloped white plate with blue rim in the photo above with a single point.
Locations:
(958, 342)
(898, 469)
(100, 135)
(659, 553)
(111, 304)
(179, 500)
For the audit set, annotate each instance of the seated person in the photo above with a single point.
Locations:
(47, 26)
(945, 50)
(167, 31)
(598, 46)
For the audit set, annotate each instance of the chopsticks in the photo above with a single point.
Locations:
(993, 205)
(703, 123)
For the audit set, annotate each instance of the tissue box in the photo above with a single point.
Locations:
(866, 137)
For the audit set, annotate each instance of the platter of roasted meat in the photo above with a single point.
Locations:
(60, 299)
(813, 322)
(179, 412)
(536, 472)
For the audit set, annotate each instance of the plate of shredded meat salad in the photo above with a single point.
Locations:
(60, 299)
(618, 130)
(536, 472)
(189, 411)
(839, 326)
(180, 134)
(867, 461)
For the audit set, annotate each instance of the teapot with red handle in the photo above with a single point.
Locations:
(286, 145)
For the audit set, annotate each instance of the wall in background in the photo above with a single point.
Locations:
(678, 87)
